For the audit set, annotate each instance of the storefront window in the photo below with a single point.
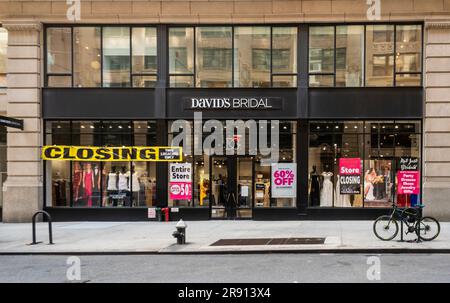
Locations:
(284, 56)
(144, 65)
(349, 55)
(101, 184)
(408, 58)
(116, 56)
(86, 56)
(379, 55)
(181, 56)
(337, 55)
(252, 56)
(214, 58)
(321, 56)
(59, 56)
(355, 163)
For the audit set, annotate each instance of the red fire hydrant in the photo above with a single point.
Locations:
(165, 211)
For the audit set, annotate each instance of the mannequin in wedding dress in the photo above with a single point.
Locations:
(326, 194)
(368, 184)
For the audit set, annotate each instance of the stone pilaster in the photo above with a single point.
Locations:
(23, 191)
(436, 187)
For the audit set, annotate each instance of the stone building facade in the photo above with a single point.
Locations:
(25, 20)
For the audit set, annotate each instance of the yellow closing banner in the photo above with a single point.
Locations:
(124, 153)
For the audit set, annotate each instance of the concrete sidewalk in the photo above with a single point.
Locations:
(156, 237)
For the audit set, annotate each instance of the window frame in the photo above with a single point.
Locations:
(394, 53)
(132, 74)
(233, 26)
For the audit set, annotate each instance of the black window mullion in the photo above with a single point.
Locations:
(72, 54)
(130, 29)
(364, 57)
(101, 56)
(271, 56)
(394, 83)
(194, 29)
(334, 57)
(232, 56)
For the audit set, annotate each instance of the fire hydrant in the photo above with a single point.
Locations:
(180, 233)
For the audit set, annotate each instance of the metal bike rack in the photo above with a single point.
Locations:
(50, 234)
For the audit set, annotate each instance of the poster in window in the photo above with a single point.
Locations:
(180, 177)
(350, 176)
(284, 180)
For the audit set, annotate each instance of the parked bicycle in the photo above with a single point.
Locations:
(426, 228)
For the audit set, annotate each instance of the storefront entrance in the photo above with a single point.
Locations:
(231, 193)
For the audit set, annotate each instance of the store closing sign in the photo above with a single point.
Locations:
(408, 182)
(350, 176)
(180, 181)
(284, 180)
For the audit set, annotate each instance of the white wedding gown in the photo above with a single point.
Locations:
(341, 200)
(369, 196)
(326, 194)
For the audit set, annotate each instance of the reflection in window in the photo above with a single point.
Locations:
(214, 56)
(349, 55)
(321, 56)
(252, 56)
(408, 56)
(116, 57)
(181, 55)
(59, 55)
(3, 58)
(379, 55)
(144, 63)
(86, 56)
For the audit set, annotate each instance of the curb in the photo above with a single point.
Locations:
(244, 252)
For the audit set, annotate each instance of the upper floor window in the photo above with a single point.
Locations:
(3, 56)
(95, 56)
(370, 55)
(225, 56)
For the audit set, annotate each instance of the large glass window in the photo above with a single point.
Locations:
(349, 55)
(116, 56)
(380, 55)
(86, 56)
(339, 57)
(252, 56)
(3, 55)
(321, 56)
(214, 58)
(181, 56)
(101, 184)
(356, 163)
(144, 63)
(103, 56)
(243, 56)
(59, 56)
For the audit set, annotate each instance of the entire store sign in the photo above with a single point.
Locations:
(284, 180)
(180, 181)
(233, 103)
(408, 182)
(124, 153)
(349, 176)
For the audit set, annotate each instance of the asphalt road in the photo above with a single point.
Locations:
(229, 268)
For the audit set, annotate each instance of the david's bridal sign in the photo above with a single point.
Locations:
(242, 103)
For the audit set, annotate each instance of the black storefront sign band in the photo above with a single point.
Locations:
(350, 184)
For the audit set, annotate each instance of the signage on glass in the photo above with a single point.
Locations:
(239, 103)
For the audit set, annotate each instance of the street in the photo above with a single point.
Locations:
(255, 268)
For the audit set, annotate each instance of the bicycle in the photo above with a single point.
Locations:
(426, 228)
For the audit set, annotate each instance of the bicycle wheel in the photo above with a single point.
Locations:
(385, 228)
(428, 227)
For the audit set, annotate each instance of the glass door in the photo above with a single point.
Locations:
(244, 187)
(219, 186)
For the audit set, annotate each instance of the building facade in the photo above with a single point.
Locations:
(360, 101)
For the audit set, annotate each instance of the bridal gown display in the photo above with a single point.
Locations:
(369, 195)
(326, 194)
(341, 200)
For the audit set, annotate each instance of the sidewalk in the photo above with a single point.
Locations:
(156, 237)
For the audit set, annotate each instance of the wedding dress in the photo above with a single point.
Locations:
(369, 196)
(341, 200)
(326, 194)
